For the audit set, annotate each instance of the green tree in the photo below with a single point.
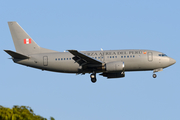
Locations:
(51, 118)
(19, 113)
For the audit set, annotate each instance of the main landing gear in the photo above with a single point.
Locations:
(93, 77)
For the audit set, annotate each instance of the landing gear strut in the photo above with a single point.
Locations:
(156, 70)
(93, 77)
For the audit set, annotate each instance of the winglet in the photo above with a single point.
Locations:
(16, 55)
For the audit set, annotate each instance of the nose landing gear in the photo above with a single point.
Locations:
(154, 75)
(156, 70)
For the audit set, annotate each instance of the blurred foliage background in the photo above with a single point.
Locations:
(19, 113)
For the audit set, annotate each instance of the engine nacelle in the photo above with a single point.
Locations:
(115, 66)
(113, 75)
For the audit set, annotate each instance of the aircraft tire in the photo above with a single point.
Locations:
(154, 75)
(93, 78)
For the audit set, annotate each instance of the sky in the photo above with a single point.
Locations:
(92, 25)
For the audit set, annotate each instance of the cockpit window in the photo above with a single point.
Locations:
(162, 55)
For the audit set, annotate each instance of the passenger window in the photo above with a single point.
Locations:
(124, 56)
(58, 58)
(121, 56)
(98, 57)
(133, 56)
(127, 56)
(115, 56)
(61, 58)
(64, 58)
(67, 58)
(95, 57)
(164, 55)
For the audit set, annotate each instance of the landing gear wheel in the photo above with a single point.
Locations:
(154, 75)
(93, 78)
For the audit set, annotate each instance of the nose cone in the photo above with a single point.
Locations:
(172, 61)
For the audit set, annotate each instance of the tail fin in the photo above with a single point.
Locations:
(23, 42)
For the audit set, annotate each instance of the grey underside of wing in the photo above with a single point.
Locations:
(83, 59)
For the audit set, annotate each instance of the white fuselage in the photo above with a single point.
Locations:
(134, 60)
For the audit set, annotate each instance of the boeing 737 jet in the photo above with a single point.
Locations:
(108, 63)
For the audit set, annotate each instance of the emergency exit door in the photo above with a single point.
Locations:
(150, 56)
(45, 60)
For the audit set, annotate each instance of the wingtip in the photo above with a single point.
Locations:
(6, 50)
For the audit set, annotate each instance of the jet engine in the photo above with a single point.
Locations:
(114, 66)
(113, 75)
(114, 69)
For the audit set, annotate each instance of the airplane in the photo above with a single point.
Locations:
(108, 63)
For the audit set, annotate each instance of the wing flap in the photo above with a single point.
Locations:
(16, 55)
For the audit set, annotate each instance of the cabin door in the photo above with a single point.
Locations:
(45, 60)
(150, 56)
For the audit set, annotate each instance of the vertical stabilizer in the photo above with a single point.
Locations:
(23, 42)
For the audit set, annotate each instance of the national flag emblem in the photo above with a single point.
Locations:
(27, 41)
(144, 52)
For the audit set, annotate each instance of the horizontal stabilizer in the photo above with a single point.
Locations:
(16, 55)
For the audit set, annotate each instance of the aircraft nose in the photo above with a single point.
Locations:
(172, 61)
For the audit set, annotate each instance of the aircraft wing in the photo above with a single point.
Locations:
(83, 59)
